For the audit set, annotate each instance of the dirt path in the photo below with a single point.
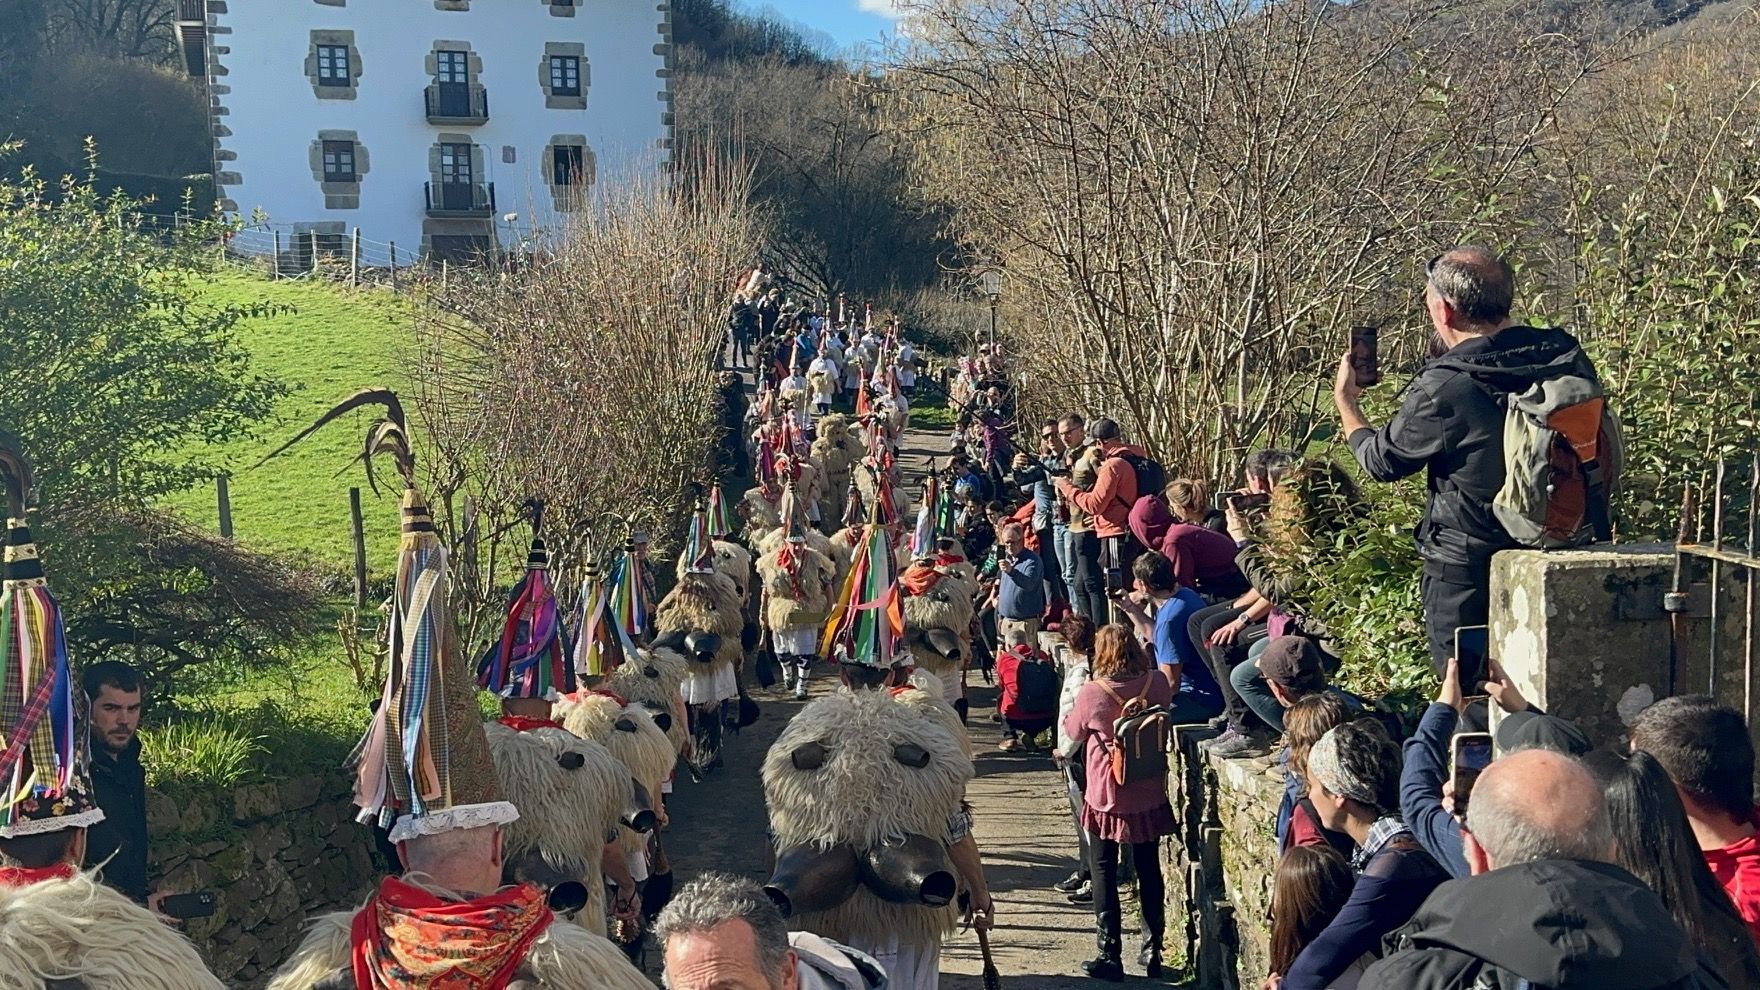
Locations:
(1021, 815)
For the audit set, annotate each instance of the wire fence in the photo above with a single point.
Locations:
(350, 258)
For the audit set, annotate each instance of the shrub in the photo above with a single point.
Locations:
(200, 753)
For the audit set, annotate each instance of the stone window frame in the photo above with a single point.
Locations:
(566, 49)
(339, 195)
(458, 5)
(561, 8)
(340, 38)
(479, 158)
(568, 197)
(473, 67)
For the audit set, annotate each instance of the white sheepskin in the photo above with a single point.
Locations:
(566, 815)
(836, 451)
(662, 693)
(565, 957)
(707, 602)
(78, 929)
(861, 796)
(787, 609)
(646, 755)
(758, 513)
(925, 694)
(948, 605)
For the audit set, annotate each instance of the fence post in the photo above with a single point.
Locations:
(394, 266)
(360, 548)
(225, 499)
(354, 258)
(275, 268)
(442, 274)
(314, 236)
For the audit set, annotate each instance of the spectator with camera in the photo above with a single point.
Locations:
(1451, 424)
(1105, 550)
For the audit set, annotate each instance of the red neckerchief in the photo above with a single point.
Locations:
(622, 702)
(408, 939)
(525, 723)
(24, 876)
(917, 579)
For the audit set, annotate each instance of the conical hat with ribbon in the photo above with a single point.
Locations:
(43, 764)
(423, 768)
(531, 658)
(793, 517)
(699, 549)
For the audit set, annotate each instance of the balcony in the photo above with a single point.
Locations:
(192, 11)
(459, 200)
(456, 104)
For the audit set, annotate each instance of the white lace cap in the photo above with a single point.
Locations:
(454, 819)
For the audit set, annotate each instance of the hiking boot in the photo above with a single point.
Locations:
(1083, 894)
(1070, 884)
(1241, 746)
(1217, 724)
(1229, 735)
(1149, 957)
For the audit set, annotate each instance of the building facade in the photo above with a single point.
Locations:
(445, 127)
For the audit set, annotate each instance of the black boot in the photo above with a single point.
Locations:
(1149, 957)
(1106, 966)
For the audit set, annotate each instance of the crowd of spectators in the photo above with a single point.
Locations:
(1636, 865)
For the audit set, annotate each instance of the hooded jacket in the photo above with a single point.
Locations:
(1109, 501)
(1450, 422)
(1557, 924)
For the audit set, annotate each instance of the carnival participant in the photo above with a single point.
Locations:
(58, 926)
(425, 772)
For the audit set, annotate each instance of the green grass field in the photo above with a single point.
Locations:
(334, 342)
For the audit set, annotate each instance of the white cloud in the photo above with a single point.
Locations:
(893, 9)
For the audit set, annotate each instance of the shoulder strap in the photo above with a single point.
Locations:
(1148, 682)
(1108, 689)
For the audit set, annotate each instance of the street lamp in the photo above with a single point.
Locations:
(990, 283)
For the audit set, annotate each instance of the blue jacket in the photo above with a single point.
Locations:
(1020, 592)
(1392, 886)
(1420, 789)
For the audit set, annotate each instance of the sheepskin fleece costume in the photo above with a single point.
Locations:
(655, 681)
(836, 451)
(645, 754)
(565, 957)
(773, 540)
(785, 606)
(946, 606)
(706, 602)
(78, 929)
(861, 796)
(927, 695)
(759, 514)
(567, 815)
(731, 560)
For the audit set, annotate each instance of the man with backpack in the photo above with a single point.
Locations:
(1030, 690)
(1497, 378)
(1108, 502)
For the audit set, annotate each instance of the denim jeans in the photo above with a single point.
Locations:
(1066, 559)
(1253, 690)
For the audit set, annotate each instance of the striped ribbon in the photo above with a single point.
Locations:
(36, 695)
(531, 659)
(603, 645)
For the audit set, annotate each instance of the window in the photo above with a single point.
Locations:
(333, 67)
(565, 75)
(339, 162)
(567, 163)
(451, 67)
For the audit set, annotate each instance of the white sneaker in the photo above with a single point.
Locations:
(800, 689)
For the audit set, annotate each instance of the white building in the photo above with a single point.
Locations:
(425, 123)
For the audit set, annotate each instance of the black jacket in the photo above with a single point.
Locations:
(1450, 422)
(1558, 924)
(120, 783)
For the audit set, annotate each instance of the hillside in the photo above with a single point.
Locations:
(329, 343)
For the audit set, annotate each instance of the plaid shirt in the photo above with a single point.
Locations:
(1380, 833)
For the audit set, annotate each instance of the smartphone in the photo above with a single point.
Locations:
(1471, 755)
(1244, 501)
(1472, 650)
(185, 906)
(1366, 355)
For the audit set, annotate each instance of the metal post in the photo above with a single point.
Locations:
(314, 237)
(224, 497)
(360, 548)
(992, 322)
(442, 274)
(354, 258)
(393, 266)
(275, 269)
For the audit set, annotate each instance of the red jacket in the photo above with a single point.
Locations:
(1737, 868)
(1113, 494)
(1008, 665)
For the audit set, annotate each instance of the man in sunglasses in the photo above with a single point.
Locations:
(1450, 423)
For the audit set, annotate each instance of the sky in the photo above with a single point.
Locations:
(845, 22)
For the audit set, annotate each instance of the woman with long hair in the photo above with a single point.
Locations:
(1117, 816)
(1311, 885)
(1654, 842)
(1304, 723)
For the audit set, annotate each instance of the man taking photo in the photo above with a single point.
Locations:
(1451, 424)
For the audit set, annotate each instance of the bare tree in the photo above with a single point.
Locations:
(140, 29)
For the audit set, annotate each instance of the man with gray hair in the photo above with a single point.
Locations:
(1544, 909)
(722, 932)
(1450, 423)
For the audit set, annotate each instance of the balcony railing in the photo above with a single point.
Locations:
(192, 10)
(456, 103)
(459, 199)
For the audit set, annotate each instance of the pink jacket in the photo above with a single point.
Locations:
(1113, 494)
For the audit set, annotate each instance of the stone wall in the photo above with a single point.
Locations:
(275, 853)
(1219, 865)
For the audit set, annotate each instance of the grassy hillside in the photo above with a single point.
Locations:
(332, 342)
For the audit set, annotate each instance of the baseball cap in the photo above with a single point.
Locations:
(1293, 662)
(1537, 730)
